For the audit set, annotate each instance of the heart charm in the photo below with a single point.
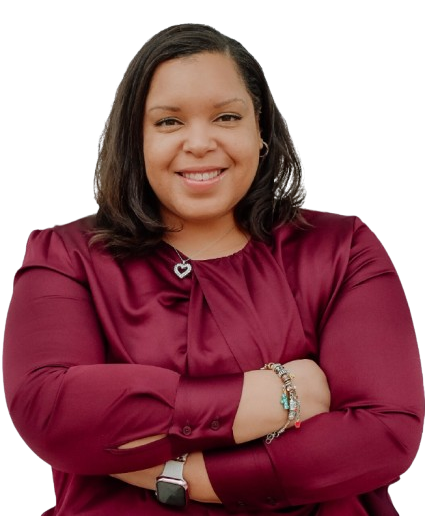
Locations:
(182, 269)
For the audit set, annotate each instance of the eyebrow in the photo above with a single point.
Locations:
(229, 101)
(175, 109)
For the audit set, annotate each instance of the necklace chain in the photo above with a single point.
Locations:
(184, 268)
(183, 260)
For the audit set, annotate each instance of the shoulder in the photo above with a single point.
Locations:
(73, 231)
(328, 250)
(325, 230)
(317, 231)
(61, 248)
(62, 238)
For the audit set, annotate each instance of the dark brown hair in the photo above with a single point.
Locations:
(128, 221)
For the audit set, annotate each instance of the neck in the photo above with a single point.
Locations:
(208, 240)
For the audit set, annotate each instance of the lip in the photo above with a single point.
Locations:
(197, 183)
(194, 169)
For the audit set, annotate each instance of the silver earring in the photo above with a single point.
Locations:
(266, 151)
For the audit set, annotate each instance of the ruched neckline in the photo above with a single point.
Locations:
(170, 251)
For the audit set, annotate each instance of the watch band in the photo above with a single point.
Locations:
(171, 487)
(174, 468)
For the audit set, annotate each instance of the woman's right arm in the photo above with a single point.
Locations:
(260, 411)
(76, 411)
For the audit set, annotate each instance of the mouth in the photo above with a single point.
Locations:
(198, 175)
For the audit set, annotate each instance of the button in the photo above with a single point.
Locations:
(215, 425)
(186, 430)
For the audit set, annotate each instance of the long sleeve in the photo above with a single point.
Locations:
(71, 404)
(100, 352)
(367, 348)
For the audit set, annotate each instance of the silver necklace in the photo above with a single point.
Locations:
(183, 268)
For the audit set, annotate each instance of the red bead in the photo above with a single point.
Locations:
(297, 424)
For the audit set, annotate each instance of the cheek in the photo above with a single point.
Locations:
(159, 152)
(150, 155)
(154, 165)
(155, 179)
(249, 155)
(250, 143)
(244, 147)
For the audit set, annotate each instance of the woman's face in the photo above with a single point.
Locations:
(201, 139)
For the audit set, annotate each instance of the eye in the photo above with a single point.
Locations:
(167, 122)
(228, 117)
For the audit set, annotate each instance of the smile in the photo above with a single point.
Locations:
(201, 176)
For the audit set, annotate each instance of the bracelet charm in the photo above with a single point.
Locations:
(289, 399)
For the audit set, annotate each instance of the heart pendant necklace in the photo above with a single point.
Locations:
(184, 268)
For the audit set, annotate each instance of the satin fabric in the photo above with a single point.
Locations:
(100, 352)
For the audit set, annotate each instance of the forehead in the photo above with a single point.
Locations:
(205, 75)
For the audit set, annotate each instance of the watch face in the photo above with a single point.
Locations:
(171, 493)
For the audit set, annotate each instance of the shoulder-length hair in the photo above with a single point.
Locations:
(128, 221)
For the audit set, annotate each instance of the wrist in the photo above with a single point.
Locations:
(259, 411)
(171, 486)
(289, 399)
(195, 473)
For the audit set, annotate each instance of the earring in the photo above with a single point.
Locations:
(266, 151)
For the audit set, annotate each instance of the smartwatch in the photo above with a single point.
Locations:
(171, 487)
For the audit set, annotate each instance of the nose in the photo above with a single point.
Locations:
(199, 140)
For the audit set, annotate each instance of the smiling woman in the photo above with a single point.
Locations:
(203, 342)
(201, 143)
(204, 106)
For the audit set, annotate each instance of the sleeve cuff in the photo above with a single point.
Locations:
(244, 479)
(205, 410)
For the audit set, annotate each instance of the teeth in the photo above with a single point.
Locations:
(201, 176)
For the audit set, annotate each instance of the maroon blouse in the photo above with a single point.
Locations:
(99, 353)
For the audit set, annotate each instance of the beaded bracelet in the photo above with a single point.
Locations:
(289, 399)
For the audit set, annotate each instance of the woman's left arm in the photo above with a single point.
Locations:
(260, 396)
(195, 474)
(369, 354)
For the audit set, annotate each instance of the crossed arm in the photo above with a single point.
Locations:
(258, 414)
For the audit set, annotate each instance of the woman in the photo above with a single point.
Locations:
(142, 344)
